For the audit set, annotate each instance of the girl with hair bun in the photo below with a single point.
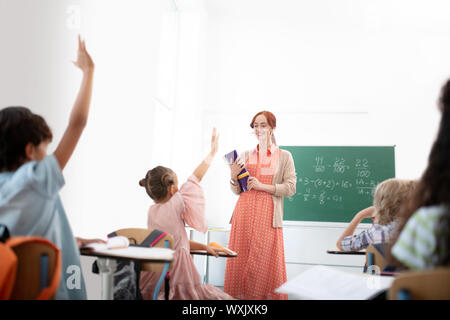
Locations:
(172, 209)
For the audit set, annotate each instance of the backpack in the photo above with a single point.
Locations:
(19, 277)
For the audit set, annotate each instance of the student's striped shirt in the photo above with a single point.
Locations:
(416, 245)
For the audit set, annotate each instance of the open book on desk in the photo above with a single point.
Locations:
(325, 283)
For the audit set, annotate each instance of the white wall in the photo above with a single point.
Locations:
(133, 46)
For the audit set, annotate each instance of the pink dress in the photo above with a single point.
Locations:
(187, 204)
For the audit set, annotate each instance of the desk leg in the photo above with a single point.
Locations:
(206, 278)
(107, 267)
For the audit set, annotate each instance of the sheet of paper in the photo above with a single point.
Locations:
(325, 283)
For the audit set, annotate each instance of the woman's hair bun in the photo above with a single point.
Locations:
(142, 182)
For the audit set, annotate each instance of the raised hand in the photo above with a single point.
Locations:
(214, 142)
(84, 60)
(200, 171)
(80, 110)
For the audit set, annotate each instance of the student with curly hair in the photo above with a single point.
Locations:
(388, 198)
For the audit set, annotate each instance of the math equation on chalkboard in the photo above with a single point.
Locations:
(339, 175)
(335, 182)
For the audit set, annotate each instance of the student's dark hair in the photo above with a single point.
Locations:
(18, 127)
(157, 182)
(434, 186)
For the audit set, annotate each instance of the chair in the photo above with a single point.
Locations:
(423, 285)
(38, 270)
(139, 236)
(375, 260)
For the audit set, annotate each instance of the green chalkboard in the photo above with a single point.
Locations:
(334, 183)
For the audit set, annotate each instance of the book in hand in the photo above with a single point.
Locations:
(117, 242)
(243, 175)
(325, 283)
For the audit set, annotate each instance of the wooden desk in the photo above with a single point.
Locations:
(205, 253)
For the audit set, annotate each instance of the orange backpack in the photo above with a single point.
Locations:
(30, 267)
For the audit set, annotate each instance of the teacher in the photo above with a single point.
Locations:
(257, 221)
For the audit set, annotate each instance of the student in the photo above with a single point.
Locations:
(173, 207)
(424, 225)
(30, 180)
(388, 197)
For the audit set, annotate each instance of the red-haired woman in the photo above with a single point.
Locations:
(256, 232)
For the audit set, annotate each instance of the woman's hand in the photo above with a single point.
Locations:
(254, 184)
(235, 168)
(84, 60)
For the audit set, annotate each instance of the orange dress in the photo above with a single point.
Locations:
(259, 267)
